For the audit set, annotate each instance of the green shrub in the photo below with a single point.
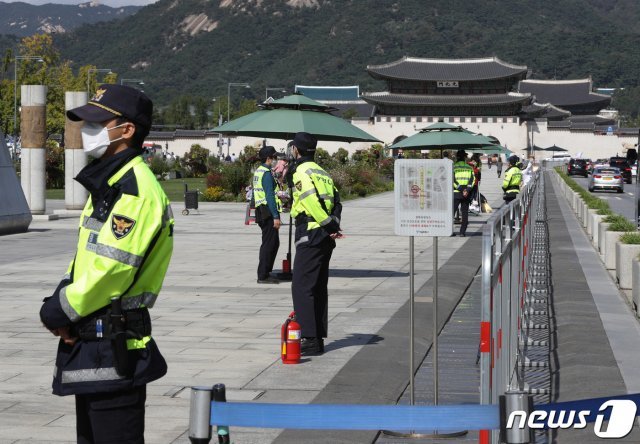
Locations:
(604, 212)
(213, 194)
(612, 218)
(359, 189)
(622, 225)
(630, 238)
(236, 176)
(158, 166)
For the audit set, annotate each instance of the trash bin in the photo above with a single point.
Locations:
(190, 200)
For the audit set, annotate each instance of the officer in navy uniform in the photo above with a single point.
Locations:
(106, 355)
(315, 201)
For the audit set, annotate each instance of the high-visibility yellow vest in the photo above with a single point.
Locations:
(512, 179)
(463, 176)
(312, 183)
(259, 195)
(138, 232)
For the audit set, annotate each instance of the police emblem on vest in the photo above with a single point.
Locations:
(121, 226)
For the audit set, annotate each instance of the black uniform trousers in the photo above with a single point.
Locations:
(309, 286)
(111, 418)
(508, 197)
(269, 247)
(463, 203)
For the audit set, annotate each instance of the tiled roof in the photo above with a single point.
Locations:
(329, 92)
(388, 98)
(545, 110)
(412, 68)
(559, 124)
(563, 92)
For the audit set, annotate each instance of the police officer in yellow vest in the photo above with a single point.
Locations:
(267, 214)
(512, 179)
(316, 209)
(463, 183)
(106, 355)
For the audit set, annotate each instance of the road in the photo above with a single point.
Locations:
(619, 203)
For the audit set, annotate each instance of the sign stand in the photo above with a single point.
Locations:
(424, 207)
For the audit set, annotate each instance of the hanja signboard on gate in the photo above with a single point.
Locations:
(423, 197)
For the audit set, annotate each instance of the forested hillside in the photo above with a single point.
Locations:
(198, 46)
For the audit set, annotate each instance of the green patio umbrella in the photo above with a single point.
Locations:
(444, 136)
(283, 118)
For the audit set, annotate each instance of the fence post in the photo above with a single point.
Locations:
(200, 415)
(515, 406)
(219, 395)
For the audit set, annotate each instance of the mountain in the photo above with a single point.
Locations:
(21, 19)
(197, 47)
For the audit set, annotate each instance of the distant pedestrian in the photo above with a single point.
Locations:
(499, 165)
(233, 157)
(489, 161)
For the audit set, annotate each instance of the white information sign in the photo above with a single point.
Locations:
(423, 197)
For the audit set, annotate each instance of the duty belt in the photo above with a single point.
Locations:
(137, 323)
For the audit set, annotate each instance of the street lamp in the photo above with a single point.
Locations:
(136, 81)
(96, 70)
(15, 93)
(246, 85)
(266, 92)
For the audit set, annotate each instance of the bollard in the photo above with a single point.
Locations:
(33, 155)
(515, 406)
(219, 395)
(200, 415)
(75, 195)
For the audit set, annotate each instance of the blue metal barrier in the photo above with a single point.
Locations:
(355, 417)
(366, 417)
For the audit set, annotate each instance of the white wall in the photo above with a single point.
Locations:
(512, 134)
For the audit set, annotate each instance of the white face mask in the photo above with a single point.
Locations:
(95, 139)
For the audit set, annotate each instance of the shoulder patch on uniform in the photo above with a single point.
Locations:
(121, 225)
(299, 185)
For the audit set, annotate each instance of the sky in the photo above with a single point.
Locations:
(112, 3)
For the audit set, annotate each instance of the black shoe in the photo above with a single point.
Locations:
(268, 280)
(457, 220)
(454, 234)
(311, 346)
(463, 235)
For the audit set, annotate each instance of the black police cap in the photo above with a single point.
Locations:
(266, 152)
(112, 101)
(305, 143)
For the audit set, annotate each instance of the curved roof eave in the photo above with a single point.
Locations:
(511, 70)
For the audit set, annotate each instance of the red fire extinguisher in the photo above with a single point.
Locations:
(290, 338)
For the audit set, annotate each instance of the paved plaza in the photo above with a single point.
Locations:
(215, 324)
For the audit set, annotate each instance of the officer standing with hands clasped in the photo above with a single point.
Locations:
(106, 355)
(267, 213)
(463, 183)
(317, 209)
(512, 179)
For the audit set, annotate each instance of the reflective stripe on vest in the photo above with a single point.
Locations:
(90, 375)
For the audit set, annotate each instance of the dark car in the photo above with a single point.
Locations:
(578, 167)
(623, 165)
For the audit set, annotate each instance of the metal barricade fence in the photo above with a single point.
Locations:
(512, 259)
